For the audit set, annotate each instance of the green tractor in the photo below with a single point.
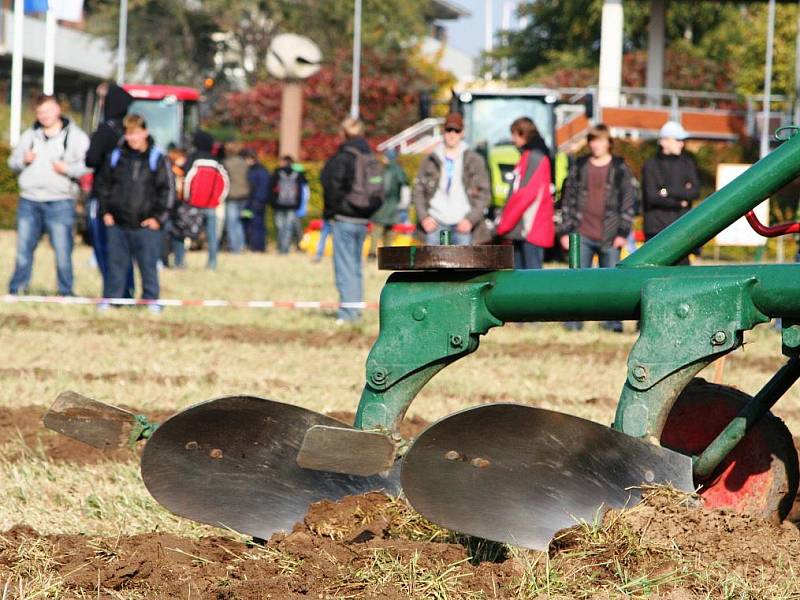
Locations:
(488, 114)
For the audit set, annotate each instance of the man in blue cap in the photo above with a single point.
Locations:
(670, 182)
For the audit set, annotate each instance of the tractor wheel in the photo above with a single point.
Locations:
(760, 475)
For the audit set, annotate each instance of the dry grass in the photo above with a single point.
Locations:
(189, 355)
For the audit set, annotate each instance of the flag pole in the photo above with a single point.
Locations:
(123, 41)
(16, 74)
(48, 85)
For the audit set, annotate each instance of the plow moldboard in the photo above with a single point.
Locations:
(519, 474)
(231, 462)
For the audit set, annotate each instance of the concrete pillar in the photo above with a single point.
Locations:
(656, 43)
(611, 32)
(291, 119)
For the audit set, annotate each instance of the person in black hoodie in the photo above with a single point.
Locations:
(134, 188)
(669, 182)
(103, 141)
(348, 225)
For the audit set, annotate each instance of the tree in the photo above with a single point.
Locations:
(171, 37)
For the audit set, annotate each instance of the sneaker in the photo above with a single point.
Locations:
(155, 309)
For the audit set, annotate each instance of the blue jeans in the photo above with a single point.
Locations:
(233, 224)
(284, 224)
(323, 237)
(348, 244)
(212, 237)
(97, 232)
(456, 238)
(56, 217)
(527, 255)
(607, 258)
(140, 245)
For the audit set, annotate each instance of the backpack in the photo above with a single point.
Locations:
(288, 196)
(153, 156)
(366, 194)
(206, 184)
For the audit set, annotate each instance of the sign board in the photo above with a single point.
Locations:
(739, 233)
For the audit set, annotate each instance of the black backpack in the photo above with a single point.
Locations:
(288, 189)
(366, 194)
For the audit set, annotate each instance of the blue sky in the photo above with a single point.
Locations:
(467, 34)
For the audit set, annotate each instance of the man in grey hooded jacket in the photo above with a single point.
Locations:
(49, 159)
(452, 190)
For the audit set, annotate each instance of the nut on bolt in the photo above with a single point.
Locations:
(719, 338)
(456, 341)
(378, 376)
(639, 373)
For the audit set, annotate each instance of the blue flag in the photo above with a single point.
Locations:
(36, 6)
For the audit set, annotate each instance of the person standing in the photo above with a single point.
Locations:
(258, 183)
(352, 180)
(103, 141)
(206, 186)
(134, 188)
(598, 202)
(387, 216)
(452, 190)
(237, 169)
(287, 194)
(670, 182)
(527, 217)
(50, 158)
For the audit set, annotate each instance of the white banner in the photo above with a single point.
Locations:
(67, 10)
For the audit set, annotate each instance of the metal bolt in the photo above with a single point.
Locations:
(479, 463)
(639, 373)
(452, 455)
(419, 313)
(192, 445)
(215, 453)
(682, 311)
(456, 341)
(379, 375)
(719, 338)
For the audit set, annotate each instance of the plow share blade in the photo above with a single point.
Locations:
(232, 462)
(518, 474)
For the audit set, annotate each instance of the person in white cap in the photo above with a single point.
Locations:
(669, 182)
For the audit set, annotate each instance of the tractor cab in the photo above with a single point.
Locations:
(172, 112)
(488, 114)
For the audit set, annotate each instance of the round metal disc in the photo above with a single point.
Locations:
(424, 258)
(231, 462)
(519, 474)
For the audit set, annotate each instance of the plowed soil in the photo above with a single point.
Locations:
(367, 547)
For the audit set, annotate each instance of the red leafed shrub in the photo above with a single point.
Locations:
(388, 103)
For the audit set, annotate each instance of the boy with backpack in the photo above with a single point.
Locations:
(205, 188)
(352, 181)
(135, 190)
(287, 193)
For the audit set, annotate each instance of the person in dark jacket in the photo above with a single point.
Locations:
(134, 188)
(349, 226)
(598, 202)
(255, 210)
(103, 141)
(670, 182)
(287, 195)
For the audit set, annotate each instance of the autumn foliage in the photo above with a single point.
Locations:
(389, 103)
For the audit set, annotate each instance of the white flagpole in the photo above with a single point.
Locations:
(123, 41)
(48, 86)
(16, 73)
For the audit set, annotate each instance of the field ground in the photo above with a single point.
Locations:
(69, 514)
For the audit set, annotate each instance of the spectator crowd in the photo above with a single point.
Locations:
(146, 205)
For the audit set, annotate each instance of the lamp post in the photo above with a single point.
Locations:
(123, 41)
(354, 103)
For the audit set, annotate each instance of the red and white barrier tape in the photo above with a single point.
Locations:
(300, 304)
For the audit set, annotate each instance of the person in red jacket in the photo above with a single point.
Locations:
(527, 218)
